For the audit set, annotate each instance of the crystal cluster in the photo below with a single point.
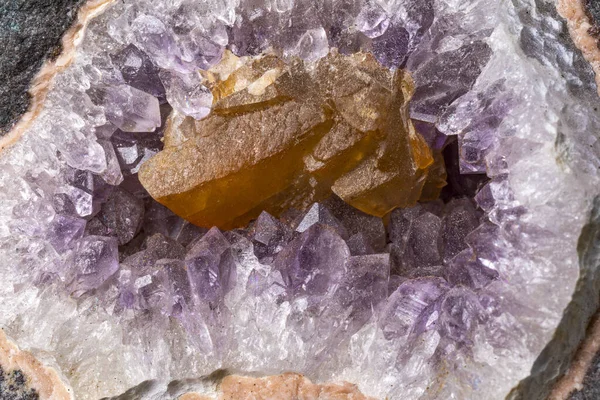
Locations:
(452, 298)
(285, 137)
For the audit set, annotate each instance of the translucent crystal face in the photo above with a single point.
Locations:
(323, 132)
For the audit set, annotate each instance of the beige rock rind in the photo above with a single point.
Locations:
(45, 380)
(580, 28)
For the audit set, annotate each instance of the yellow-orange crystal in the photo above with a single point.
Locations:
(284, 135)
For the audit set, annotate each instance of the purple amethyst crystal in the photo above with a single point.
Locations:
(122, 214)
(416, 242)
(270, 235)
(412, 304)
(96, 258)
(153, 249)
(356, 221)
(211, 266)
(372, 20)
(459, 313)
(138, 71)
(319, 213)
(187, 94)
(64, 231)
(177, 284)
(363, 288)
(314, 262)
(391, 47)
(446, 77)
(128, 108)
(460, 219)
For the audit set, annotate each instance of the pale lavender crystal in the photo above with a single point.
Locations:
(64, 231)
(177, 284)
(187, 94)
(112, 175)
(79, 148)
(410, 305)
(103, 72)
(96, 259)
(266, 284)
(211, 266)
(155, 248)
(339, 21)
(468, 270)
(155, 39)
(31, 217)
(459, 220)
(201, 48)
(476, 117)
(391, 48)
(319, 213)
(363, 288)
(459, 311)
(314, 262)
(197, 49)
(270, 235)
(312, 45)
(416, 242)
(372, 20)
(128, 108)
(359, 245)
(445, 77)
(250, 38)
(138, 71)
(122, 214)
(76, 196)
(355, 221)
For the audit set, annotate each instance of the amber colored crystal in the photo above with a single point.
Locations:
(284, 135)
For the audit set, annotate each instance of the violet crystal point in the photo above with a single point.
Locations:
(314, 262)
(211, 266)
(233, 199)
(122, 214)
(95, 260)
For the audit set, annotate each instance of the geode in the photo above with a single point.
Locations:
(391, 199)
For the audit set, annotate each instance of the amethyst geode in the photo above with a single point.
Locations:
(454, 298)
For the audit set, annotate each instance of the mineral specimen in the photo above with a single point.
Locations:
(454, 294)
(285, 135)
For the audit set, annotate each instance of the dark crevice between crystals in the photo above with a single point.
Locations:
(14, 386)
(459, 185)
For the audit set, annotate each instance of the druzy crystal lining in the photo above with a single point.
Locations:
(452, 299)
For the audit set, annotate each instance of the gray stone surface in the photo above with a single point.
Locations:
(15, 386)
(593, 8)
(591, 383)
(30, 31)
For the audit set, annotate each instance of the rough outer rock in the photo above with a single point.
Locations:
(30, 32)
(24, 377)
